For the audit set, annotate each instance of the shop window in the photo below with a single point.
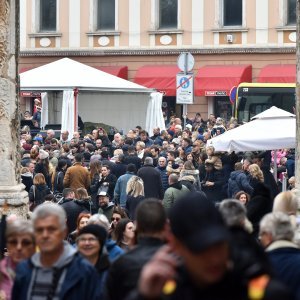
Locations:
(168, 14)
(106, 15)
(223, 108)
(48, 15)
(291, 12)
(232, 12)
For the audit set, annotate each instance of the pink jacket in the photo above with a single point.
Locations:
(6, 281)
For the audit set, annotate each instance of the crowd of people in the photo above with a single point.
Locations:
(152, 216)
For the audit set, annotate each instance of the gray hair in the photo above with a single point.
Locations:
(50, 209)
(233, 212)
(278, 225)
(148, 161)
(19, 226)
(99, 219)
(173, 178)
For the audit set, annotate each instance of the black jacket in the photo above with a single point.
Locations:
(133, 159)
(73, 208)
(260, 204)
(37, 193)
(58, 182)
(131, 205)
(124, 273)
(152, 182)
(119, 169)
(27, 180)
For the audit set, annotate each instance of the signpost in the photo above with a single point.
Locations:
(185, 82)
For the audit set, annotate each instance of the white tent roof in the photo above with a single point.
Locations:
(273, 129)
(68, 74)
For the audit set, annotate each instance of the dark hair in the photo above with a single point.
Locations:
(131, 168)
(107, 167)
(118, 210)
(131, 148)
(104, 154)
(150, 217)
(66, 192)
(61, 164)
(119, 231)
(78, 157)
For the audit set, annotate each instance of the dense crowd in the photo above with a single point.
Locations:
(152, 216)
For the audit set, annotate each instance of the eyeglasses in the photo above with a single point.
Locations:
(89, 240)
(115, 219)
(24, 243)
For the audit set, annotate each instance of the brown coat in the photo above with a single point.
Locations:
(76, 177)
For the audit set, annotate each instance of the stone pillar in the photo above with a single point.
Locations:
(11, 188)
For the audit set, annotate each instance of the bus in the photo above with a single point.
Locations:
(254, 98)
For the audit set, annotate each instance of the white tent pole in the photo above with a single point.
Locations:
(275, 165)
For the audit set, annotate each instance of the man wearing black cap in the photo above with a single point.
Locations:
(197, 263)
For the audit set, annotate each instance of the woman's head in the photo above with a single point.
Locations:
(188, 165)
(210, 150)
(135, 186)
(82, 220)
(39, 179)
(82, 193)
(117, 215)
(124, 232)
(61, 165)
(256, 172)
(242, 197)
(90, 240)
(20, 240)
(286, 202)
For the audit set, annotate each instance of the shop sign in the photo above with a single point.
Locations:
(30, 94)
(216, 93)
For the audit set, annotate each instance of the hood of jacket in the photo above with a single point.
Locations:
(189, 178)
(63, 260)
(27, 174)
(235, 174)
(189, 172)
(177, 186)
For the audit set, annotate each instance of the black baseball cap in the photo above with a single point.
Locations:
(197, 223)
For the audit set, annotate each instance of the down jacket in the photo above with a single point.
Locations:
(238, 181)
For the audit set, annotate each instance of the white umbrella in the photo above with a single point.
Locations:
(270, 130)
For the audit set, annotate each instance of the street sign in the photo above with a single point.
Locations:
(185, 62)
(184, 88)
(232, 94)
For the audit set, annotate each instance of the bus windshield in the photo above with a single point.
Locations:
(253, 100)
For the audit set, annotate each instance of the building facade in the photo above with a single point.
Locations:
(140, 40)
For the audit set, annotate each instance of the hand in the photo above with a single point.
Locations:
(209, 183)
(154, 275)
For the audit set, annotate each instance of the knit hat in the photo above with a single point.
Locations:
(97, 230)
(43, 154)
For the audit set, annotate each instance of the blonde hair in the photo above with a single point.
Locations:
(286, 202)
(256, 172)
(135, 187)
(118, 152)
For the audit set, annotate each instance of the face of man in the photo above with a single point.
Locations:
(48, 234)
(76, 135)
(170, 157)
(65, 135)
(143, 137)
(98, 143)
(95, 133)
(154, 153)
(165, 145)
(54, 146)
(88, 245)
(20, 246)
(31, 168)
(50, 134)
(117, 138)
(103, 201)
(208, 266)
(162, 162)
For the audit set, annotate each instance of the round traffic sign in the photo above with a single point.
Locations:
(185, 62)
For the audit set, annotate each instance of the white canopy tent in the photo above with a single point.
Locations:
(270, 130)
(97, 96)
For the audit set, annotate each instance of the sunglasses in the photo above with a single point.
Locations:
(115, 219)
(24, 243)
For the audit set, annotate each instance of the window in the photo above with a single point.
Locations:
(291, 12)
(233, 12)
(168, 14)
(106, 15)
(47, 15)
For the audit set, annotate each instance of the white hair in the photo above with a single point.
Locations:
(50, 209)
(99, 219)
(278, 225)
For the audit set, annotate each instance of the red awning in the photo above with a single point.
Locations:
(160, 77)
(278, 74)
(119, 71)
(22, 70)
(218, 80)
